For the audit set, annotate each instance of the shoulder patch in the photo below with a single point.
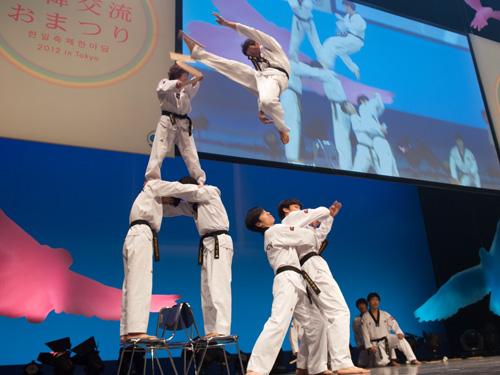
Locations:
(306, 211)
(292, 229)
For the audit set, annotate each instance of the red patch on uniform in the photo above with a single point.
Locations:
(292, 228)
(306, 211)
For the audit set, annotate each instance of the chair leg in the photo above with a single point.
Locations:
(153, 353)
(225, 360)
(202, 359)
(171, 361)
(239, 356)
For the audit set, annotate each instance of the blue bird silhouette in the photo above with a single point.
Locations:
(467, 287)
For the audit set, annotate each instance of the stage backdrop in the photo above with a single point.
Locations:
(71, 206)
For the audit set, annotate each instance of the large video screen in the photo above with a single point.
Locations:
(368, 92)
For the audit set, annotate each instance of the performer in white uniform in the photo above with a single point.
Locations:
(302, 24)
(364, 358)
(330, 301)
(290, 297)
(463, 165)
(175, 127)
(215, 252)
(269, 79)
(365, 130)
(352, 28)
(377, 326)
(145, 221)
(334, 93)
(370, 110)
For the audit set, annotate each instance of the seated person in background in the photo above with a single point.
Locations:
(377, 337)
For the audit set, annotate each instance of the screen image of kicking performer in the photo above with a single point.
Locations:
(267, 81)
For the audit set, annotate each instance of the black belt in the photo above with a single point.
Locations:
(304, 274)
(173, 115)
(308, 256)
(386, 345)
(156, 248)
(281, 70)
(322, 247)
(357, 36)
(216, 248)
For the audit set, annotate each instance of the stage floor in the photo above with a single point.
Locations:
(487, 365)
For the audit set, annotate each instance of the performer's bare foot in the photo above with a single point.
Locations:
(301, 371)
(285, 138)
(253, 373)
(326, 372)
(415, 362)
(123, 339)
(356, 73)
(393, 362)
(186, 37)
(139, 335)
(353, 370)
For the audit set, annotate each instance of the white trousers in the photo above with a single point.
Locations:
(299, 29)
(341, 130)
(386, 158)
(138, 281)
(365, 158)
(341, 47)
(267, 87)
(291, 106)
(332, 304)
(381, 357)
(216, 285)
(168, 135)
(287, 295)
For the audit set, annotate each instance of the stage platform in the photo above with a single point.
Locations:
(470, 366)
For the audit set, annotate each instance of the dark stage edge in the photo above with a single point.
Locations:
(471, 366)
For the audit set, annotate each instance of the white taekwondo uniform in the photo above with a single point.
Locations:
(177, 102)
(289, 299)
(365, 130)
(295, 335)
(364, 356)
(372, 110)
(267, 84)
(335, 94)
(466, 166)
(210, 216)
(375, 335)
(137, 254)
(330, 301)
(302, 24)
(352, 39)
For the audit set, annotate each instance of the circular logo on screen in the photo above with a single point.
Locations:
(151, 138)
(78, 43)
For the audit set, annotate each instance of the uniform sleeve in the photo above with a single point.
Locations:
(358, 331)
(264, 39)
(366, 333)
(192, 91)
(182, 209)
(322, 231)
(188, 192)
(166, 85)
(303, 218)
(289, 236)
(393, 325)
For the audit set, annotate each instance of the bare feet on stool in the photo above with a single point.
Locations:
(139, 335)
(326, 372)
(393, 362)
(253, 373)
(123, 339)
(415, 362)
(301, 371)
(353, 370)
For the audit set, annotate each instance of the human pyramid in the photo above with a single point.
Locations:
(303, 285)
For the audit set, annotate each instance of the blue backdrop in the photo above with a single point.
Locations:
(79, 200)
